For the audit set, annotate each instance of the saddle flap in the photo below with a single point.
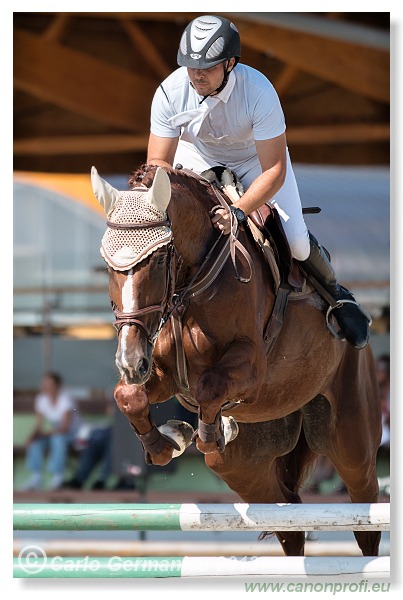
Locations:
(260, 216)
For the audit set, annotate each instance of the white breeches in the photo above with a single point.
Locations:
(286, 201)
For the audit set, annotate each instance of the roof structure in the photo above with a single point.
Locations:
(83, 84)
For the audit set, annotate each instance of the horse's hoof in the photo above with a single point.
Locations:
(209, 447)
(231, 429)
(180, 432)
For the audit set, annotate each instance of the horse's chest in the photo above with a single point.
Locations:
(197, 347)
(200, 346)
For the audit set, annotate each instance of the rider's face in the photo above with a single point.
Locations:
(206, 81)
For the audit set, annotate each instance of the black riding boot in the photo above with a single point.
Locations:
(353, 323)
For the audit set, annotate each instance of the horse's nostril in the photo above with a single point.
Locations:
(142, 367)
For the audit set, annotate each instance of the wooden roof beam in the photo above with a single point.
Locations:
(147, 49)
(360, 69)
(58, 27)
(81, 83)
(351, 133)
(321, 26)
(80, 144)
(119, 143)
(179, 17)
(285, 79)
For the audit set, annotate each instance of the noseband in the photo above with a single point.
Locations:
(133, 318)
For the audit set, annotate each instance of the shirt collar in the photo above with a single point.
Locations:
(226, 92)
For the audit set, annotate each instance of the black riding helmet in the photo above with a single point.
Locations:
(208, 41)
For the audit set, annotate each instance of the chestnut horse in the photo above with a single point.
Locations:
(311, 395)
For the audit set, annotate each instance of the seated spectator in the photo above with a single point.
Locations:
(94, 444)
(56, 425)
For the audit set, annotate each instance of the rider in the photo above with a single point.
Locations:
(214, 110)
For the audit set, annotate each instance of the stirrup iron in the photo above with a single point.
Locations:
(339, 304)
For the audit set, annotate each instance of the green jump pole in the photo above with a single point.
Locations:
(203, 517)
(80, 517)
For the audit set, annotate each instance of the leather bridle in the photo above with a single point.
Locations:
(172, 301)
(133, 318)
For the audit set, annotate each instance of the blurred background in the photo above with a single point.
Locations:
(83, 85)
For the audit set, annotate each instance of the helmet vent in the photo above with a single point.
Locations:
(183, 44)
(202, 30)
(216, 48)
(206, 26)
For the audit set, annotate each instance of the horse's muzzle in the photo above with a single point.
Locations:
(138, 374)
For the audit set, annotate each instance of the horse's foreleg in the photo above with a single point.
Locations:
(160, 444)
(229, 380)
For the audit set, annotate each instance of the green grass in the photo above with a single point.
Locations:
(190, 473)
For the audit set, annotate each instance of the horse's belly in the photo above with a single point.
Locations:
(276, 401)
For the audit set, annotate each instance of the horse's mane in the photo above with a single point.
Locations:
(180, 181)
(190, 199)
(143, 175)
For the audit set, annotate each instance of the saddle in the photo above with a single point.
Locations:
(264, 225)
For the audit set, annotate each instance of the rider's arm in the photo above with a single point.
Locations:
(161, 150)
(272, 156)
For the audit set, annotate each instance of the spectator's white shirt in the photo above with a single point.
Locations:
(224, 128)
(54, 412)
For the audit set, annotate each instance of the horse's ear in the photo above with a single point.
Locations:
(159, 193)
(104, 192)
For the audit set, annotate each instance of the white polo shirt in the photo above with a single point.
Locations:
(223, 129)
(54, 412)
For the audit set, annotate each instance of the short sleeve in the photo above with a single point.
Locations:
(268, 116)
(161, 111)
(67, 403)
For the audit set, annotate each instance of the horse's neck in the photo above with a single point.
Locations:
(191, 226)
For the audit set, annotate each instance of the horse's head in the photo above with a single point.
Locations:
(137, 246)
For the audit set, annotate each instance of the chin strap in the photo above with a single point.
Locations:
(223, 83)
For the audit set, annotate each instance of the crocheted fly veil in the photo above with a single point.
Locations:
(124, 245)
